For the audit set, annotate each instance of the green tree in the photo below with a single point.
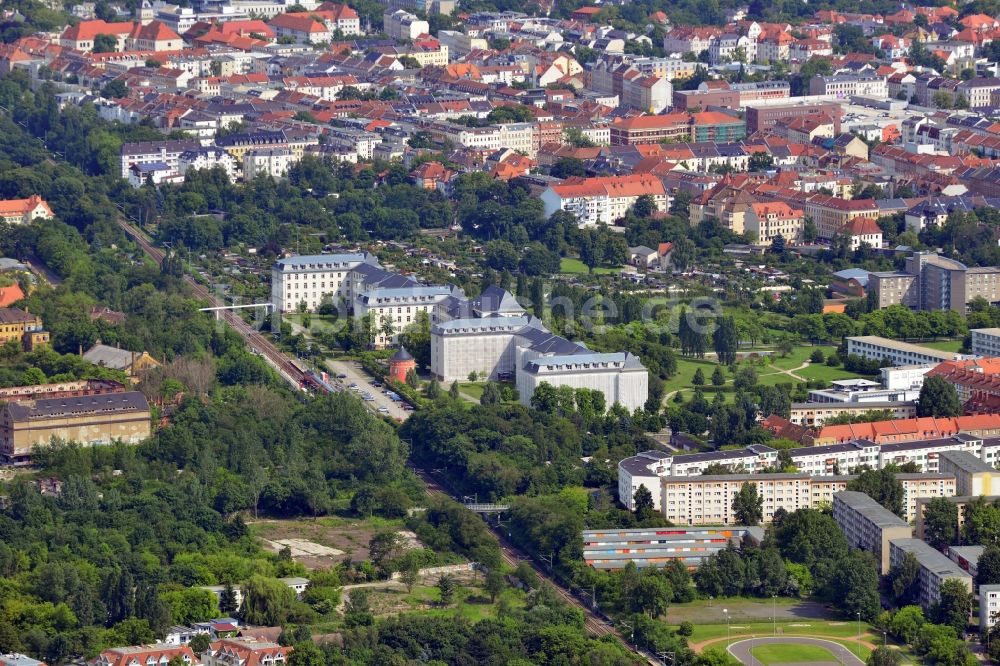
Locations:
(492, 394)
(938, 398)
(748, 505)
(227, 600)
(988, 568)
(882, 486)
(494, 584)
(726, 340)
(940, 522)
(718, 376)
(306, 653)
(955, 606)
(884, 656)
(643, 502)
(266, 601)
(904, 581)
(699, 378)
(105, 43)
(383, 548)
(446, 587)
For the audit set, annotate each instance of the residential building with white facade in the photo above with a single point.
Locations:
(401, 24)
(208, 158)
(397, 308)
(989, 605)
(167, 152)
(985, 341)
(273, 162)
(868, 525)
(605, 199)
(876, 348)
(935, 568)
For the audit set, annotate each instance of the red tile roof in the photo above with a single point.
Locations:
(88, 30)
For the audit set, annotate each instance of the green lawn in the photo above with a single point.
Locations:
(791, 653)
(576, 266)
(739, 630)
(824, 372)
(943, 345)
(472, 389)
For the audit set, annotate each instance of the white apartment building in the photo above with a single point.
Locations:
(985, 341)
(395, 309)
(904, 377)
(772, 219)
(868, 525)
(516, 136)
(620, 376)
(605, 199)
(708, 500)
(208, 158)
(402, 24)
(644, 469)
(816, 414)
(876, 348)
(460, 44)
(307, 279)
(989, 605)
(152, 152)
(935, 568)
(650, 94)
(273, 162)
(844, 86)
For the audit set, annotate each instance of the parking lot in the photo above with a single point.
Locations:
(354, 374)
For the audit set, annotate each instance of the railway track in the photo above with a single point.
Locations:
(512, 556)
(274, 356)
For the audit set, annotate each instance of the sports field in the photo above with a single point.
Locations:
(785, 653)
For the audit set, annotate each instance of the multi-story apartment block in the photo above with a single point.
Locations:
(603, 200)
(989, 606)
(644, 469)
(271, 162)
(392, 310)
(935, 568)
(868, 525)
(167, 152)
(703, 126)
(613, 549)
(401, 24)
(770, 220)
(876, 348)
(814, 414)
(844, 86)
(972, 475)
(208, 158)
(986, 341)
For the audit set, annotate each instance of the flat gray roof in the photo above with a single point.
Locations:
(874, 512)
(966, 462)
(930, 559)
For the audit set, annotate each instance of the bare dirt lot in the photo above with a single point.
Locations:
(324, 542)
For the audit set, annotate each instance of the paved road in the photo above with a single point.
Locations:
(741, 649)
(357, 375)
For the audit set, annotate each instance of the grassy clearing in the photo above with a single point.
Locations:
(943, 345)
(846, 631)
(470, 603)
(824, 373)
(577, 267)
(791, 653)
(472, 389)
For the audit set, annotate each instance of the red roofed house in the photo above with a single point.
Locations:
(254, 28)
(864, 230)
(10, 295)
(301, 27)
(432, 176)
(144, 655)
(340, 17)
(154, 36)
(244, 652)
(909, 430)
(585, 13)
(772, 219)
(980, 23)
(81, 36)
(604, 199)
(23, 211)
